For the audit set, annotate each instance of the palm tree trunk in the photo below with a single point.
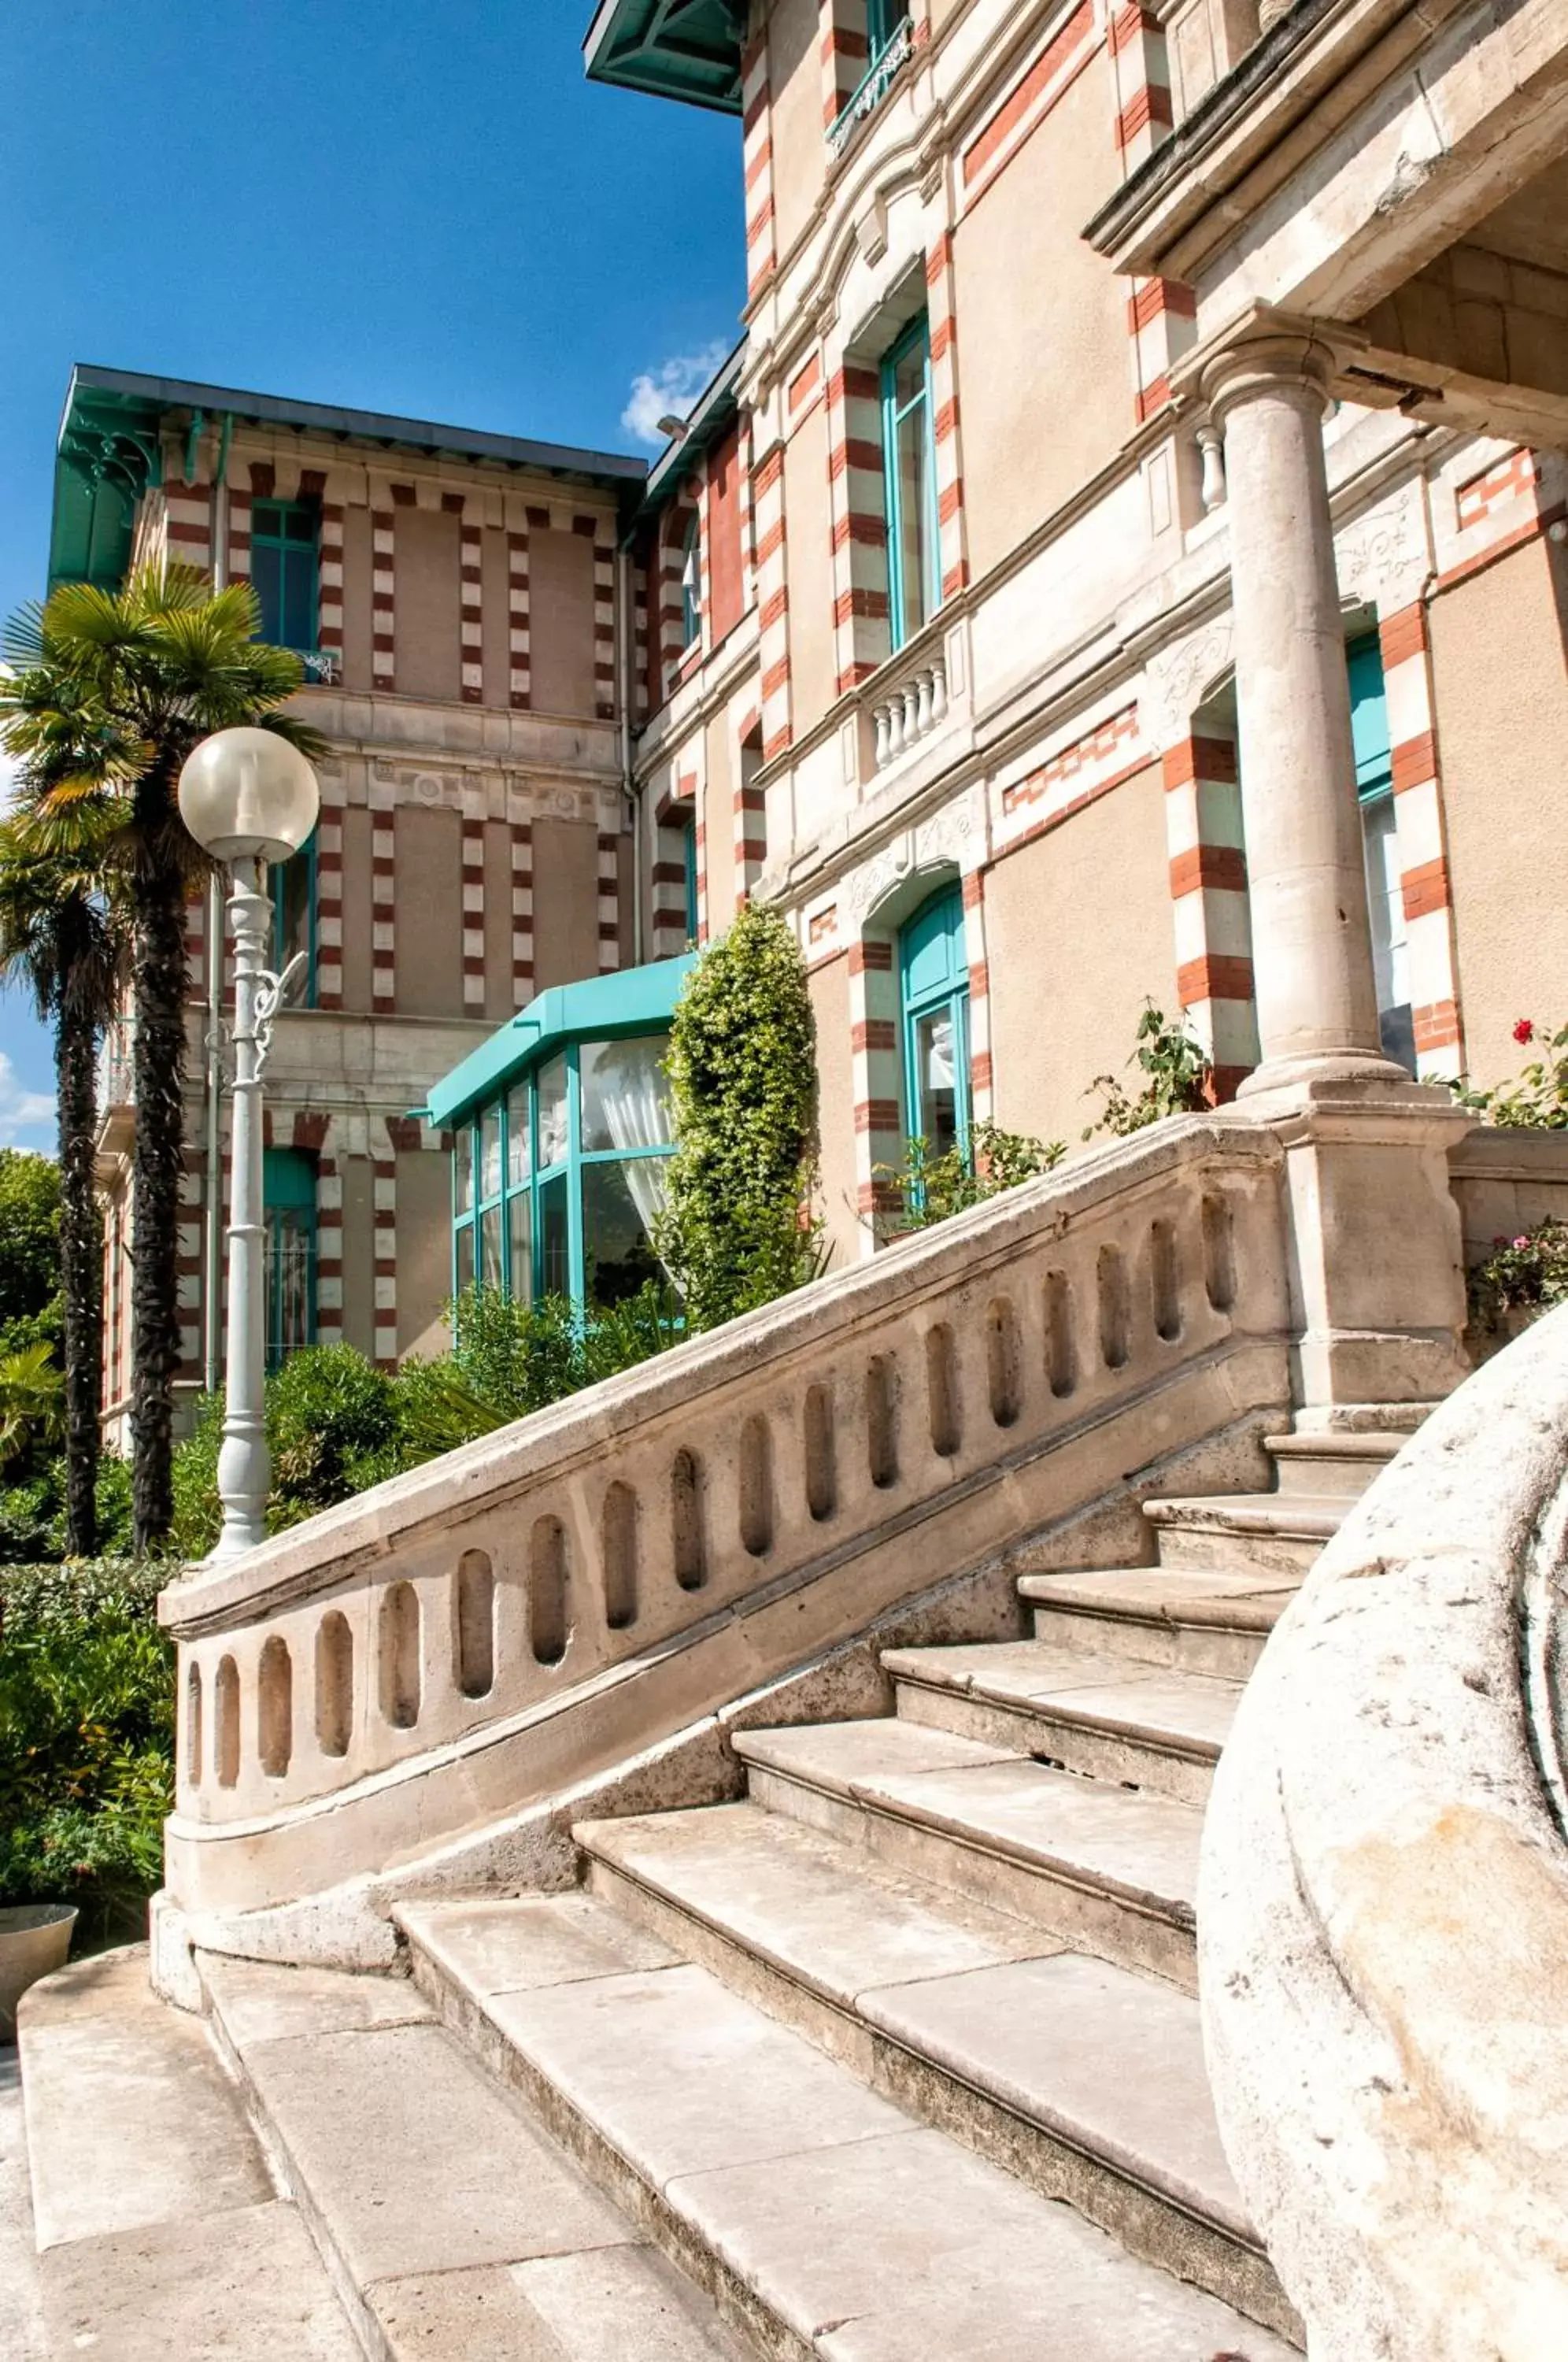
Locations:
(159, 980)
(82, 1270)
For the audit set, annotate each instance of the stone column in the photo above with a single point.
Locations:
(1312, 944)
(1376, 1283)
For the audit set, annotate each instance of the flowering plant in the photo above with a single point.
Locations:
(1538, 1098)
(1527, 1272)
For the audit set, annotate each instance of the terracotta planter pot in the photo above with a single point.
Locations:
(35, 1939)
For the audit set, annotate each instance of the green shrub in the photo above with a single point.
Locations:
(1529, 1273)
(930, 1189)
(736, 1233)
(87, 1739)
(32, 1511)
(1178, 1077)
(1537, 1100)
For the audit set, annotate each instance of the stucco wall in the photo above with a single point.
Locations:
(1079, 930)
(428, 932)
(429, 641)
(795, 94)
(810, 564)
(424, 1249)
(1502, 715)
(356, 908)
(835, 1112)
(561, 621)
(566, 902)
(356, 609)
(359, 1255)
(495, 592)
(1026, 284)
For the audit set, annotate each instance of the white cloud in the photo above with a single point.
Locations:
(669, 388)
(27, 1117)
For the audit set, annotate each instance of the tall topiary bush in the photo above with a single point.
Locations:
(734, 1232)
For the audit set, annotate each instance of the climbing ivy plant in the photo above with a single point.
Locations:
(736, 1233)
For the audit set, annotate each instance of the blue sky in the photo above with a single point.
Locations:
(413, 205)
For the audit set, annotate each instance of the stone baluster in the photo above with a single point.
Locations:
(938, 692)
(895, 728)
(882, 718)
(912, 712)
(922, 702)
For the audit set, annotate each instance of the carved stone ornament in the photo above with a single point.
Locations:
(1382, 560)
(1177, 680)
(953, 836)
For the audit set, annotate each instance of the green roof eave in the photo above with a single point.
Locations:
(632, 1000)
(689, 49)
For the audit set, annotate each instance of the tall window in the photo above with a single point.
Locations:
(933, 978)
(692, 584)
(883, 18)
(1384, 894)
(909, 466)
(557, 1187)
(294, 922)
(287, 1199)
(283, 571)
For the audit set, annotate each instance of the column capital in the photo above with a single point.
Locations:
(1269, 352)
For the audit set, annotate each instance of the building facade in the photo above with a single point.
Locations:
(453, 599)
(943, 644)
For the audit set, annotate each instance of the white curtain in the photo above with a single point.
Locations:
(630, 1092)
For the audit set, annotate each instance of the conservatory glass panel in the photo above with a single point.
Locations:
(619, 1202)
(625, 1097)
(553, 1124)
(555, 1238)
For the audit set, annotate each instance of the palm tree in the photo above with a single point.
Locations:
(123, 684)
(64, 937)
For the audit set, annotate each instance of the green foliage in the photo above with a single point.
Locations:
(29, 1250)
(1178, 1077)
(930, 1188)
(332, 1426)
(734, 1232)
(87, 1739)
(32, 1511)
(1529, 1273)
(32, 1403)
(1537, 1100)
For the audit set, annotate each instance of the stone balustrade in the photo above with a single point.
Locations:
(910, 711)
(554, 1598)
(1383, 1910)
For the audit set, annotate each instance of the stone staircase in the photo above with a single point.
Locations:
(895, 2060)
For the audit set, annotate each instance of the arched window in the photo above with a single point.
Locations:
(933, 981)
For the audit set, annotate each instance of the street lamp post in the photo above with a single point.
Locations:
(249, 798)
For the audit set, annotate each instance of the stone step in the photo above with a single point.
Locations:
(1333, 1461)
(1111, 1870)
(1203, 1620)
(1259, 1533)
(836, 2226)
(1144, 1727)
(1086, 2079)
(159, 2230)
(455, 2228)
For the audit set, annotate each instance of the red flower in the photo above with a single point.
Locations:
(1524, 1031)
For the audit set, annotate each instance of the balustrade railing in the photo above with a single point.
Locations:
(873, 87)
(573, 1588)
(910, 711)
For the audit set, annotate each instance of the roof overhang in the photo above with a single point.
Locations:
(111, 450)
(601, 1008)
(710, 416)
(688, 50)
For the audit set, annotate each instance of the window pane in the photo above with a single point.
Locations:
(267, 581)
(518, 1154)
(554, 1248)
(490, 1248)
(465, 1239)
(490, 1152)
(911, 461)
(625, 1098)
(299, 598)
(290, 1278)
(520, 1216)
(463, 1170)
(619, 1204)
(936, 1079)
(552, 1088)
(293, 896)
(909, 374)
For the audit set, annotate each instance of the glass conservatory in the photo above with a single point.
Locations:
(562, 1128)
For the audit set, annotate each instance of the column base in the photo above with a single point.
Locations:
(1377, 1267)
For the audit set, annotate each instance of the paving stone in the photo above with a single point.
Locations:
(513, 1946)
(806, 1903)
(1111, 2059)
(130, 2118)
(423, 2164)
(683, 2076)
(242, 2286)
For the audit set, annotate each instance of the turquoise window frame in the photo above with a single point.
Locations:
(572, 1166)
(883, 18)
(689, 840)
(288, 1205)
(301, 994)
(915, 337)
(939, 920)
(692, 584)
(298, 585)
